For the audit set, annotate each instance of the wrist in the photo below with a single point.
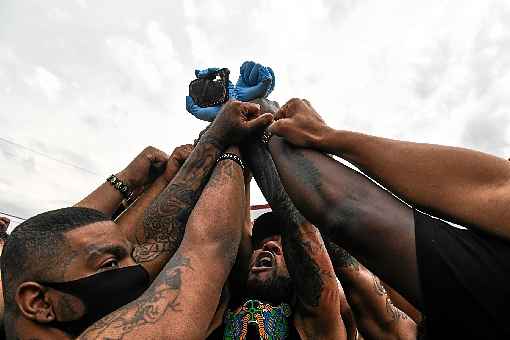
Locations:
(234, 149)
(213, 138)
(121, 185)
(127, 178)
(324, 138)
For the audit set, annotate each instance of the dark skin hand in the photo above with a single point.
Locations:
(136, 175)
(165, 219)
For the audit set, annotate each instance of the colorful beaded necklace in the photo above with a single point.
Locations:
(271, 321)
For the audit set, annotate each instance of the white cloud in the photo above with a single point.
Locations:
(46, 82)
(95, 84)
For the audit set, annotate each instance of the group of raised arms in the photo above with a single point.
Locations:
(166, 248)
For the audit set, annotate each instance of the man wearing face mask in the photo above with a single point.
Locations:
(69, 273)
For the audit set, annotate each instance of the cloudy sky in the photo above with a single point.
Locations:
(86, 84)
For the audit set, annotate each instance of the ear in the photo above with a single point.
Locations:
(34, 303)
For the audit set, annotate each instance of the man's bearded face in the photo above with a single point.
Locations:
(268, 277)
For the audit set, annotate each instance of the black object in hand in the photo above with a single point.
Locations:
(211, 90)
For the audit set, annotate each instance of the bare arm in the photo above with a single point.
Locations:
(353, 212)
(106, 198)
(181, 301)
(164, 221)
(376, 316)
(462, 185)
(132, 218)
(305, 255)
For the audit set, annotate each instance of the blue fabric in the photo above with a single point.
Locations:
(255, 81)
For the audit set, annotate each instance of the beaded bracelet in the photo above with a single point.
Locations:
(232, 157)
(120, 186)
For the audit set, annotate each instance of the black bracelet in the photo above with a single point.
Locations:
(120, 186)
(232, 157)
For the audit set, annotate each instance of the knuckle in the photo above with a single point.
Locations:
(294, 101)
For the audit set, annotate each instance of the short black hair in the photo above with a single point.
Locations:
(266, 225)
(37, 249)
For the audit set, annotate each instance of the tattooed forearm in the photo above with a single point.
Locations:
(164, 221)
(378, 286)
(300, 252)
(161, 297)
(393, 312)
(299, 255)
(340, 258)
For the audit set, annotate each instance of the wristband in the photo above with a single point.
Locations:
(120, 186)
(232, 157)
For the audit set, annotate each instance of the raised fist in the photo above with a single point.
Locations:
(236, 121)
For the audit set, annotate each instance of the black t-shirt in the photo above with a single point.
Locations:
(465, 279)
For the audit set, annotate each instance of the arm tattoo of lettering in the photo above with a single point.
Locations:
(340, 258)
(300, 251)
(165, 219)
(161, 297)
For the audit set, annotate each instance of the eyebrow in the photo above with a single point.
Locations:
(94, 252)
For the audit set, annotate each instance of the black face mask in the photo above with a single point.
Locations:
(101, 294)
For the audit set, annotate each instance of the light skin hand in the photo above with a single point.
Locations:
(299, 123)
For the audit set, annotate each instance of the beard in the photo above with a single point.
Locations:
(275, 290)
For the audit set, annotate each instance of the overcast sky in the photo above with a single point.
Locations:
(91, 83)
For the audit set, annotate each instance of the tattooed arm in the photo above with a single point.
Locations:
(181, 301)
(132, 218)
(376, 316)
(304, 253)
(164, 222)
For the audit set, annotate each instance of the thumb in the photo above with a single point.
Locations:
(260, 122)
(279, 127)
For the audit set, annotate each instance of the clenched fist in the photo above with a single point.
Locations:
(137, 173)
(176, 160)
(235, 122)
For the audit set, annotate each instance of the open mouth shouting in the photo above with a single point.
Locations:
(264, 261)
